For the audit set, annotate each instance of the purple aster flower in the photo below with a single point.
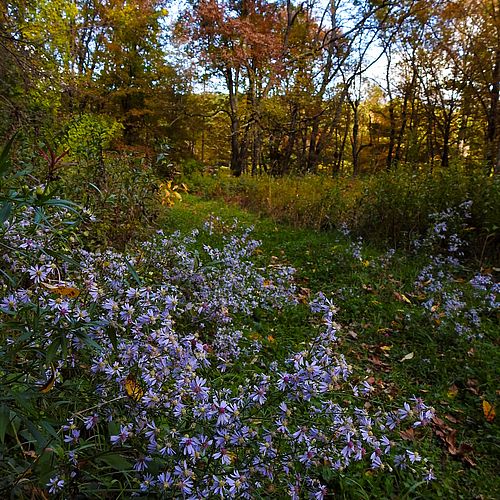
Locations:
(185, 485)
(191, 445)
(167, 449)
(386, 443)
(55, 484)
(123, 435)
(348, 450)
(219, 486)
(152, 431)
(91, 421)
(9, 303)
(223, 411)
(223, 456)
(405, 412)
(259, 394)
(164, 480)
(237, 483)
(413, 456)
(376, 461)
(142, 463)
(320, 493)
(307, 457)
(301, 434)
(147, 482)
(199, 388)
(38, 273)
(429, 475)
(284, 381)
(73, 437)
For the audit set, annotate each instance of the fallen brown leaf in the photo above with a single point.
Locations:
(401, 297)
(378, 363)
(448, 435)
(408, 434)
(472, 386)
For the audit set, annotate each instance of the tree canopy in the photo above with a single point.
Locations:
(277, 87)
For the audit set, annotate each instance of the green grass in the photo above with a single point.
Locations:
(381, 328)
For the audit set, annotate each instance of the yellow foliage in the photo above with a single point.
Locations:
(489, 411)
(170, 193)
(63, 290)
(133, 389)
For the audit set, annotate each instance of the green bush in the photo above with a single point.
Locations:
(89, 135)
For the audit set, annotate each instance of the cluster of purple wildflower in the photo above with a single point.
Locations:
(355, 246)
(163, 339)
(445, 302)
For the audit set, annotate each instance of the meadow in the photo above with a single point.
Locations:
(213, 351)
(389, 336)
(249, 249)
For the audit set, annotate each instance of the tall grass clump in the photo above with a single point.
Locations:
(387, 207)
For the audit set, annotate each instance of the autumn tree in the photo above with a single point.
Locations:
(243, 45)
(442, 80)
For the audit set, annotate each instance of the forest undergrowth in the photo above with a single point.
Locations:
(214, 359)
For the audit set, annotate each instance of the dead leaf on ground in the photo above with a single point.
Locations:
(409, 356)
(451, 418)
(448, 436)
(472, 386)
(379, 364)
(408, 434)
(489, 411)
(452, 392)
(401, 297)
(384, 331)
(304, 294)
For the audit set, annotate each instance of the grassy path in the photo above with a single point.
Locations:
(383, 340)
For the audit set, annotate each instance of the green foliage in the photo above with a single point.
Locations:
(122, 193)
(387, 207)
(89, 135)
(191, 166)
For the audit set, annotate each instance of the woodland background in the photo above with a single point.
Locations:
(361, 138)
(276, 87)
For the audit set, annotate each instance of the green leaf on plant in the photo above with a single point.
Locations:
(116, 461)
(52, 350)
(4, 421)
(4, 156)
(133, 272)
(5, 212)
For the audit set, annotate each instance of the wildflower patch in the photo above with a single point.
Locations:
(156, 376)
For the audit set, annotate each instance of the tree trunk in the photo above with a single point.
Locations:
(493, 118)
(236, 147)
(355, 138)
(392, 115)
